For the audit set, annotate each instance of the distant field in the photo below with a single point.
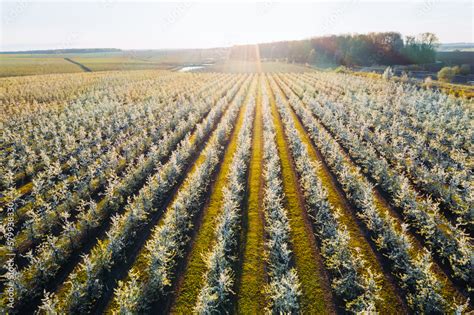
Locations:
(253, 67)
(33, 64)
(119, 63)
(17, 65)
(456, 57)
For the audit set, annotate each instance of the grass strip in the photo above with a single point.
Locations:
(250, 297)
(316, 295)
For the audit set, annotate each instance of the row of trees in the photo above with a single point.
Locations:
(56, 196)
(412, 272)
(168, 241)
(49, 207)
(442, 238)
(31, 280)
(438, 165)
(358, 290)
(217, 291)
(283, 282)
(359, 49)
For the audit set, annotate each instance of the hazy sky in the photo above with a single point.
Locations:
(112, 23)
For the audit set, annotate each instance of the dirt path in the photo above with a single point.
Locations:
(83, 67)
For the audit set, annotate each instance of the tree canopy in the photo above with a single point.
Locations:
(386, 48)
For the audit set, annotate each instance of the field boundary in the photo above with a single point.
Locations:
(80, 65)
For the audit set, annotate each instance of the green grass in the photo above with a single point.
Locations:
(316, 297)
(250, 296)
(188, 291)
(390, 304)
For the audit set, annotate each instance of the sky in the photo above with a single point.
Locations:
(29, 25)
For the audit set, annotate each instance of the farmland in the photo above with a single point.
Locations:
(33, 64)
(240, 188)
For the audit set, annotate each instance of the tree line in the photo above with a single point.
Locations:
(386, 48)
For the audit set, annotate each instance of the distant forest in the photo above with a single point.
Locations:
(359, 49)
